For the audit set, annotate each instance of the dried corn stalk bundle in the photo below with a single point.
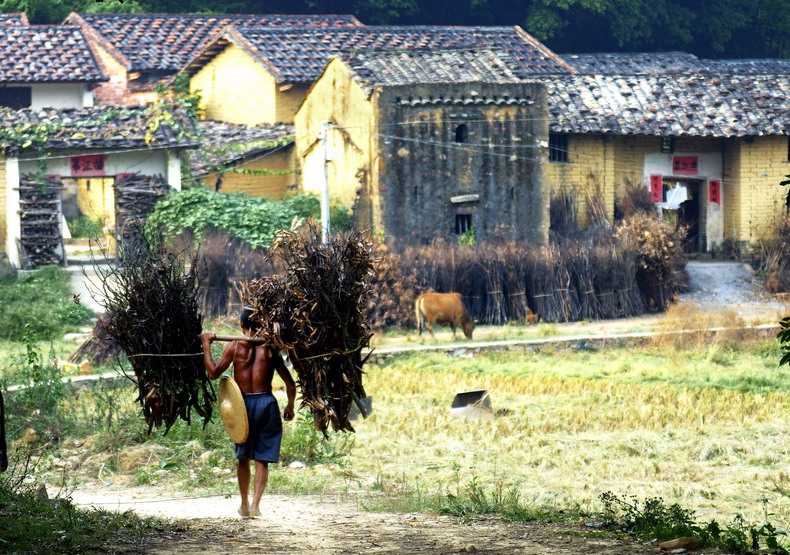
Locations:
(315, 311)
(152, 309)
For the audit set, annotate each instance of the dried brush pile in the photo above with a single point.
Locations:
(225, 262)
(315, 311)
(152, 309)
(99, 348)
(775, 258)
(660, 260)
(392, 292)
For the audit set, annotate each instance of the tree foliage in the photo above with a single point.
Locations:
(710, 28)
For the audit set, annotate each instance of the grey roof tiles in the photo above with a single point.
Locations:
(298, 55)
(168, 41)
(46, 54)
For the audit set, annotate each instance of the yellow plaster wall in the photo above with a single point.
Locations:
(763, 164)
(236, 89)
(336, 98)
(731, 190)
(3, 201)
(269, 186)
(288, 102)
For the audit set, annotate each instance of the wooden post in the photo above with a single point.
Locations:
(3, 447)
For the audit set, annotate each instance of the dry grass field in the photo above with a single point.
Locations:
(700, 422)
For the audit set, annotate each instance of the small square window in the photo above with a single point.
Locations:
(463, 223)
(558, 148)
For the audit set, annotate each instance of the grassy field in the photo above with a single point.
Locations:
(696, 421)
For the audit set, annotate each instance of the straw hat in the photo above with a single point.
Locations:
(232, 410)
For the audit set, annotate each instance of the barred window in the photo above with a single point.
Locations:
(558, 147)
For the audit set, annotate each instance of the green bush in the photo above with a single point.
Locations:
(254, 220)
(85, 227)
(30, 524)
(38, 305)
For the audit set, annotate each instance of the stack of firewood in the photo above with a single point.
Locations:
(315, 312)
(135, 197)
(39, 204)
(151, 305)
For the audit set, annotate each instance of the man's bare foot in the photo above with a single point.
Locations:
(245, 513)
(253, 512)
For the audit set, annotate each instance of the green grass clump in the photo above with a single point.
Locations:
(32, 524)
(39, 305)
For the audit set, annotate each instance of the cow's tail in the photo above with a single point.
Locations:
(419, 314)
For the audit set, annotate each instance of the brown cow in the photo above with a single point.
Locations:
(442, 308)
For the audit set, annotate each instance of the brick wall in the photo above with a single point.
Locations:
(588, 171)
(269, 186)
(763, 164)
(113, 92)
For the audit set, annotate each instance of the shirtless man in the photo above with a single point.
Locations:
(254, 365)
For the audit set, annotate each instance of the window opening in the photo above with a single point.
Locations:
(558, 148)
(461, 134)
(463, 223)
(15, 98)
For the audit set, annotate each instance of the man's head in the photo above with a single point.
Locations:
(246, 321)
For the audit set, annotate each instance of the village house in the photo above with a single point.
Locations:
(61, 158)
(262, 75)
(137, 51)
(428, 144)
(710, 140)
(253, 159)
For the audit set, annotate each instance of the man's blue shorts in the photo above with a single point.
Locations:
(266, 429)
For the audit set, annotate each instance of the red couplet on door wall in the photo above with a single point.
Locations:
(656, 188)
(714, 191)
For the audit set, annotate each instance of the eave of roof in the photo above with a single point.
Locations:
(105, 128)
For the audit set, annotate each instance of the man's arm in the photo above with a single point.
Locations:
(290, 385)
(214, 369)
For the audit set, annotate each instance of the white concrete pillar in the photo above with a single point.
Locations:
(174, 169)
(13, 219)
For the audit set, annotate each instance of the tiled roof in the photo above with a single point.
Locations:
(300, 55)
(168, 41)
(94, 128)
(642, 63)
(46, 54)
(696, 105)
(13, 19)
(223, 144)
(767, 66)
(373, 68)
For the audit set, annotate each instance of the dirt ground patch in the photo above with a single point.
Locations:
(305, 523)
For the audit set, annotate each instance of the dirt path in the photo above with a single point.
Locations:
(306, 523)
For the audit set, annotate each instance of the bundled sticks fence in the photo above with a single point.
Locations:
(565, 281)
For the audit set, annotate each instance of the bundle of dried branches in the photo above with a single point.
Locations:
(151, 302)
(315, 311)
(99, 348)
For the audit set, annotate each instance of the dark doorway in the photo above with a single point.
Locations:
(689, 217)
